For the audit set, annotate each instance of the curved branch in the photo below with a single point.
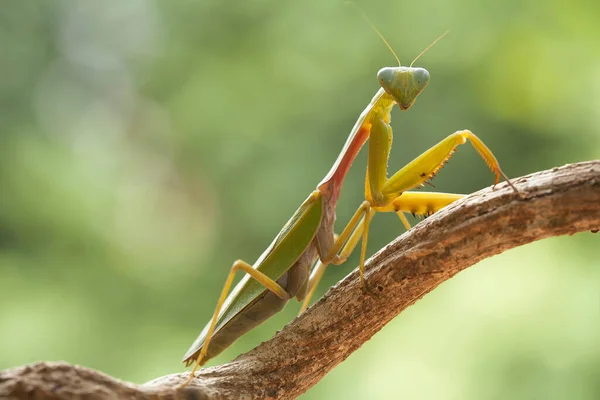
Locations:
(556, 202)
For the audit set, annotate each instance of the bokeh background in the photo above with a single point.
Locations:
(146, 145)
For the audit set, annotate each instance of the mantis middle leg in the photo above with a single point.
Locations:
(416, 203)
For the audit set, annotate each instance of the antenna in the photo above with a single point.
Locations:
(377, 31)
(430, 46)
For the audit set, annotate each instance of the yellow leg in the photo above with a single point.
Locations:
(350, 232)
(425, 166)
(315, 278)
(403, 220)
(419, 203)
(422, 203)
(332, 256)
(363, 250)
(258, 276)
(320, 267)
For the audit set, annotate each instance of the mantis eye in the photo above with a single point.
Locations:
(420, 78)
(386, 76)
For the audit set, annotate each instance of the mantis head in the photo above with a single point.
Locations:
(404, 84)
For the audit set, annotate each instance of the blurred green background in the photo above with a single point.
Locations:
(145, 145)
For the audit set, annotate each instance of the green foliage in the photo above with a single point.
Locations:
(147, 145)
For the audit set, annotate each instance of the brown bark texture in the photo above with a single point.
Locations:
(561, 201)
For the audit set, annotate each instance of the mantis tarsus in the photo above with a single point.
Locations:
(282, 271)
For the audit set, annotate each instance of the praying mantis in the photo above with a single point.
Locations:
(308, 238)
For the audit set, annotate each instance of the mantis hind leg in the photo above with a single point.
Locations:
(267, 282)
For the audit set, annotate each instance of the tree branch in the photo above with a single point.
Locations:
(556, 202)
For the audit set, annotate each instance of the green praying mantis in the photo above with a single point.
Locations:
(308, 238)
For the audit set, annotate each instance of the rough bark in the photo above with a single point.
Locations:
(556, 202)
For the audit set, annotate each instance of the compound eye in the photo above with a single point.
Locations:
(421, 77)
(385, 76)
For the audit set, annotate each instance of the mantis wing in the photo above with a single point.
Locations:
(287, 247)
